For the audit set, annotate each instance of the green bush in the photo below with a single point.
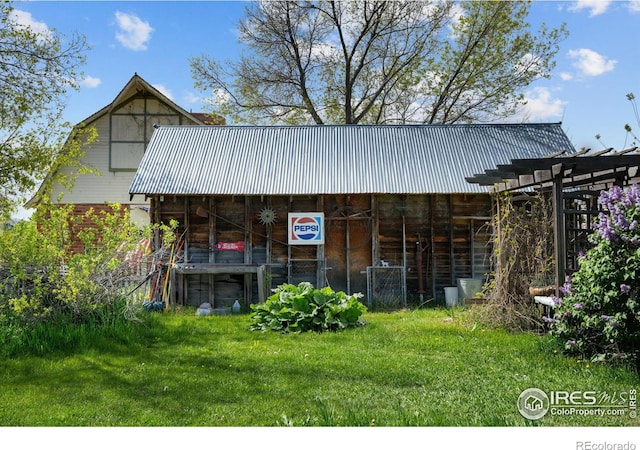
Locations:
(302, 308)
(598, 316)
(47, 291)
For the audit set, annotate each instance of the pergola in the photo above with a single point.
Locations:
(575, 181)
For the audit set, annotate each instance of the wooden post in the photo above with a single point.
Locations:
(498, 230)
(452, 256)
(320, 250)
(187, 255)
(260, 274)
(559, 230)
(213, 220)
(432, 206)
(156, 206)
(375, 235)
(472, 249)
(248, 249)
(348, 250)
(269, 247)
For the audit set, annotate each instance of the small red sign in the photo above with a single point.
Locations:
(230, 246)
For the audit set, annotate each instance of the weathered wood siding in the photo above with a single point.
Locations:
(449, 231)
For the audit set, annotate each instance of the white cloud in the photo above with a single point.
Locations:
(540, 106)
(454, 15)
(530, 63)
(566, 76)
(164, 90)
(26, 20)
(133, 33)
(596, 7)
(634, 6)
(90, 82)
(591, 63)
(189, 98)
(220, 97)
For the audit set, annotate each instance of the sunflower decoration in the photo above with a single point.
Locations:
(267, 216)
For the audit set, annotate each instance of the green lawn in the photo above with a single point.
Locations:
(412, 368)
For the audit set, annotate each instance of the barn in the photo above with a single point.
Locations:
(384, 210)
(124, 128)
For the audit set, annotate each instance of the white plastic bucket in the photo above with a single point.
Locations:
(468, 288)
(451, 296)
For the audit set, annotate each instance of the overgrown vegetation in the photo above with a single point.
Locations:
(52, 298)
(523, 253)
(303, 308)
(599, 316)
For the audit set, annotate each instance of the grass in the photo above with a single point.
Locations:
(410, 368)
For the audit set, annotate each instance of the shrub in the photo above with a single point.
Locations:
(302, 308)
(522, 251)
(44, 286)
(598, 316)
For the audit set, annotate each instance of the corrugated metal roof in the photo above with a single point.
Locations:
(334, 159)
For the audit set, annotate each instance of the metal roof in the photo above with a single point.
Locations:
(334, 159)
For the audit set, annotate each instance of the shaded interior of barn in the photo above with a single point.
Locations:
(396, 249)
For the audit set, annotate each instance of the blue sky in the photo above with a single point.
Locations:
(596, 66)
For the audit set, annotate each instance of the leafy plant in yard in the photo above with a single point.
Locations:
(599, 314)
(303, 308)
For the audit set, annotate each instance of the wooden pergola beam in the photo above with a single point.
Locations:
(582, 170)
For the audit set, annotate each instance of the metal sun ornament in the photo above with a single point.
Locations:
(267, 216)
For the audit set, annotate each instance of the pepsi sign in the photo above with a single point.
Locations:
(306, 228)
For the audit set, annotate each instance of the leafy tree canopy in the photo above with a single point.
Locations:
(358, 61)
(37, 68)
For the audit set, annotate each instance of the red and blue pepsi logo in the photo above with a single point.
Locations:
(306, 229)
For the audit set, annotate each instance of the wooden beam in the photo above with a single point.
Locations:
(452, 256)
(432, 207)
(269, 243)
(375, 235)
(484, 180)
(185, 221)
(213, 224)
(320, 249)
(203, 268)
(559, 231)
(501, 174)
(542, 175)
(588, 163)
(248, 249)
(523, 180)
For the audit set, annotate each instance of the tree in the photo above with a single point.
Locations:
(37, 68)
(379, 62)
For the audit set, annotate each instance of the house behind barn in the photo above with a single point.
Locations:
(124, 128)
(382, 210)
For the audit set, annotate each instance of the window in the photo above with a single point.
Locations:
(131, 127)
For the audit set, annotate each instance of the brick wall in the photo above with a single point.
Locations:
(81, 210)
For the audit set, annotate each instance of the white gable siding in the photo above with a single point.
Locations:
(109, 186)
(124, 128)
(116, 154)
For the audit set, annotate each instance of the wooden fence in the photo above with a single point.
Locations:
(132, 281)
